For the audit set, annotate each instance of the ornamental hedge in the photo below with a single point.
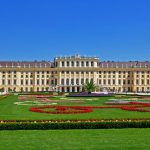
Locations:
(72, 125)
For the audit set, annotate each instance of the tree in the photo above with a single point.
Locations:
(90, 87)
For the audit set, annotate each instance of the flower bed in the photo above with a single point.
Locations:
(132, 106)
(62, 109)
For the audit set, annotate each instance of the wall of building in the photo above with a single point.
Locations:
(69, 74)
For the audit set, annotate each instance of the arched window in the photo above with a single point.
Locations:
(82, 63)
(77, 63)
(82, 81)
(87, 63)
(72, 64)
(67, 81)
(67, 63)
(62, 63)
(92, 64)
(72, 81)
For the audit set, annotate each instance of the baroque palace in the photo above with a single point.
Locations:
(69, 74)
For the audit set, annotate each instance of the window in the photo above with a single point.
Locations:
(8, 82)
(119, 81)
(114, 82)
(37, 82)
(82, 63)
(77, 64)
(15, 82)
(72, 81)
(77, 81)
(55, 81)
(3, 82)
(87, 63)
(26, 82)
(72, 64)
(104, 82)
(67, 81)
(92, 64)
(62, 63)
(67, 63)
(62, 81)
(142, 81)
(100, 82)
(47, 82)
(124, 82)
(42, 82)
(82, 81)
(52, 82)
(128, 81)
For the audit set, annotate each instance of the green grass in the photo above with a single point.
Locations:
(10, 111)
(112, 139)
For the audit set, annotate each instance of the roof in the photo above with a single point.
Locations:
(26, 64)
(130, 64)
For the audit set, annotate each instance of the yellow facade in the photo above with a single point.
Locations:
(69, 74)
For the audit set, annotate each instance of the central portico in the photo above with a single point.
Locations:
(75, 71)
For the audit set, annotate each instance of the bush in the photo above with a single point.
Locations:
(72, 125)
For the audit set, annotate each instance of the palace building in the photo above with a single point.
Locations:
(69, 74)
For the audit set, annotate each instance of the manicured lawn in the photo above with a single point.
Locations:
(71, 139)
(123, 139)
(10, 111)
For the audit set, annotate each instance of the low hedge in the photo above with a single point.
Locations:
(71, 125)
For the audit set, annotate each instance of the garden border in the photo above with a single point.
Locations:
(70, 124)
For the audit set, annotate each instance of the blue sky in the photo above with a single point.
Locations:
(42, 29)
